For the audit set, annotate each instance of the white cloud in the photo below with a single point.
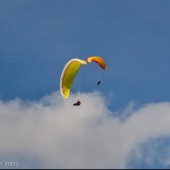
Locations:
(51, 133)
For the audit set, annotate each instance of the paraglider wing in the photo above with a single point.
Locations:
(68, 74)
(100, 61)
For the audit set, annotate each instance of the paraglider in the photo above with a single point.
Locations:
(68, 74)
(99, 60)
(70, 70)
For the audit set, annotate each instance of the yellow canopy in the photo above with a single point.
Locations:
(68, 74)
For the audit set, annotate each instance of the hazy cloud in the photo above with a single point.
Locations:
(51, 133)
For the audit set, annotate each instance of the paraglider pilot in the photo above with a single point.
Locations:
(78, 103)
(98, 82)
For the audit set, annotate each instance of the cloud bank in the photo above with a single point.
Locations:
(51, 133)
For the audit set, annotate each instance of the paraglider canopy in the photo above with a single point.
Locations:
(68, 74)
(99, 60)
(70, 70)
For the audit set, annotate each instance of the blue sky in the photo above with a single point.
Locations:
(37, 38)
